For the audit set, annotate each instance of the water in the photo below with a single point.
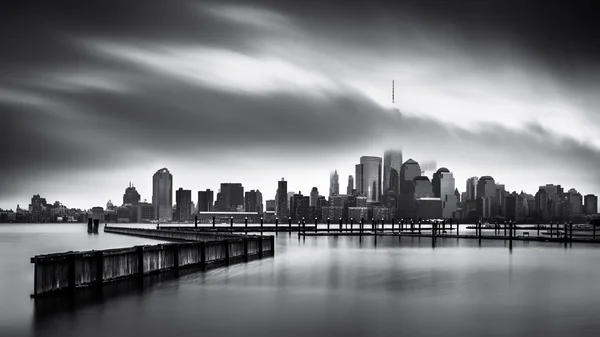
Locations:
(323, 286)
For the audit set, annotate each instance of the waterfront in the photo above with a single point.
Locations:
(319, 286)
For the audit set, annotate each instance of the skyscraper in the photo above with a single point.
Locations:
(392, 164)
(206, 201)
(131, 196)
(162, 194)
(406, 202)
(486, 189)
(334, 184)
(282, 209)
(314, 196)
(350, 187)
(230, 197)
(471, 190)
(436, 181)
(254, 201)
(369, 171)
(183, 199)
(447, 195)
(591, 204)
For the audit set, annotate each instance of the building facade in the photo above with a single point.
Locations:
(162, 194)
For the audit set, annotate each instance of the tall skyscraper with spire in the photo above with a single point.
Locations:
(162, 194)
(334, 184)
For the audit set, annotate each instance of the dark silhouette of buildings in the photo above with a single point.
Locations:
(253, 200)
(183, 208)
(205, 201)
(282, 202)
(162, 194)
(131, 196)
(591, 204)
(230, 197)
(299, 207)
(350, 188)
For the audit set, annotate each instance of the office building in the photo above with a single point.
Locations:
(368, 182)
(162, 194)
(253, 201)
(282, 200)
(183, 200)
(471, 191)
(350, 188)
(206, 201)
(591, 204)
(230, 198)
(314, 197)
(392, 164)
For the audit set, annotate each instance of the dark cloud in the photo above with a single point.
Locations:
(68, 106)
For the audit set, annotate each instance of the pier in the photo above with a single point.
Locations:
(71, 270)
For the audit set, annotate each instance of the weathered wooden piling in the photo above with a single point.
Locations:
(245, 222)
(96, 226)
(328, 224)
(510, 236)
(196, 221)
(213, 222)
(290, 222)
(90, 224)
(593, 231)
(67, 271)
(341, 224)
(551, 230)
(316, 224)
(571, 231)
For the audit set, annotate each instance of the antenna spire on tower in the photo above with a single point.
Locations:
(393, 98)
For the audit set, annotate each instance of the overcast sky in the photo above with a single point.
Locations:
(96, 94)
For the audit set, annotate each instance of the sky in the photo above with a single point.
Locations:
(97, 94)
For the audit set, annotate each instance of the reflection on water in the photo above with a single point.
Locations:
(321, 286)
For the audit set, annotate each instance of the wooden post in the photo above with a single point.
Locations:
(419, 226)
(89, 228)
(551, 233)
(373, 225)
(213, 222)
(140, 260)
(374, 222)
(351, 225)
(260, 246)
(303, 226)
(457, 228)
(262, 221)
(328, 224)
(226, 242)
(96, 225)
(316, 224)
(571, 230)
(99, 256)
(196, 221)
(245, 240)
(71, 274)
(245, 222)
(175, 248)
(443, 226)
(290, 222)
(382, 225)
(510, 236)
(538, 229)
(231, 222)
(412, 226)
(433, 229)
(276, 225)
(340, 224)
(393, 223)
(272, 240)
(202, 248)
(593, 231)
(504, 228)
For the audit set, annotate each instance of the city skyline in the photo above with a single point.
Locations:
(111, 109)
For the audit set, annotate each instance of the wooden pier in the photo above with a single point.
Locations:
(71, 270)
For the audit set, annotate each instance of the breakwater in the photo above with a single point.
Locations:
(71, 270)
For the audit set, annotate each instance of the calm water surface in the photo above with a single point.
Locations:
(318, 286)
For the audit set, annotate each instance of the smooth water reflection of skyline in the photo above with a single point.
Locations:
(318, 285)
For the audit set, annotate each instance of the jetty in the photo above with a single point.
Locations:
(67, 271)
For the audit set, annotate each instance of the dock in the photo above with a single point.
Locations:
(70, 270)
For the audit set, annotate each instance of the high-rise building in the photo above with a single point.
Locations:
(289, 198)
(334, 184)
(500, 198)
(576, 202)
(131, 196)
(447, 195)
(299, 207)
(314, 196)
(350, 188)
(392, 164)
(458, 196)
(183, 199)
(471, 190)
(591, 204)
(542, 202)
(511, 204)
(436, 181)
(206, 201)
(37, 208)
(486, 188)
(369, 172)
(162, 194)
(282, 199)
(406, 202)
(230, 197)
(254, 201)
